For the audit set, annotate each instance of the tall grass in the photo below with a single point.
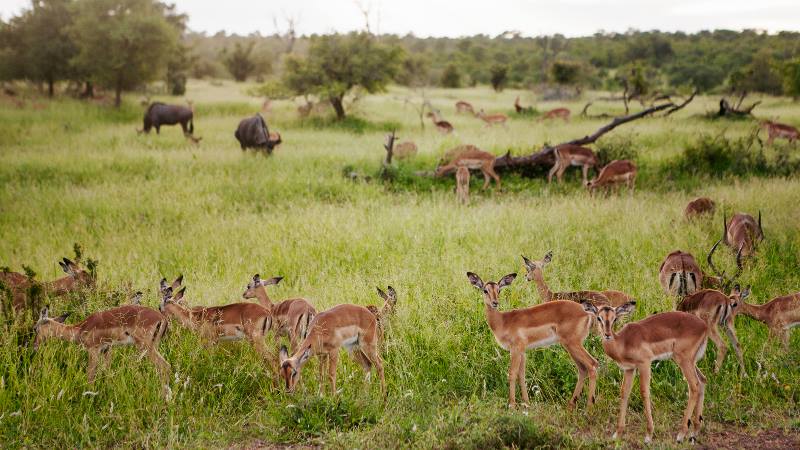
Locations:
(148, 207)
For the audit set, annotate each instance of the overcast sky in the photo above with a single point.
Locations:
(492, 17)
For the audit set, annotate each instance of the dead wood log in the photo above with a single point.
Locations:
(682, 105)
(725, 109)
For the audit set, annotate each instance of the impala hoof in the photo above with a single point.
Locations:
(615, 436)
(648, 439)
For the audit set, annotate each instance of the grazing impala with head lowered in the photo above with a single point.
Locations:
(558, 322)
(472, 158)
(743, 233)
(615, 173)
(350, 326)
(680, 275)
(560, 113)
(464, 107)
(124, 325)
(288, 318)
(492, 119)
(698, 207)
(678, 336)
(567, 155)
(441, 125)
(780, 315)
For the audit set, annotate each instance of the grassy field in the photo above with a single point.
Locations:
(153, 206)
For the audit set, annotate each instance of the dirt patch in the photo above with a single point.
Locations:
(772, 439)
(258, 444)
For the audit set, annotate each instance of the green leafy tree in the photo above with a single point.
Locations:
(122, 43)
(239, 62)
(181, 59)
(451, 77)
(566, 72)
(499, 76)
(791, 78)
(335, 64)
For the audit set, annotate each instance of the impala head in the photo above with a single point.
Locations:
(290, 367)
(532, 266)
(607, 316)
(46, 327)
(162, 287)
(257, 285)
(169, 302)
(75, 271)
(490, 289)
(738, 295)
(389, 297)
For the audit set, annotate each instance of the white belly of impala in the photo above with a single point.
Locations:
(662, 356)
(549, 340)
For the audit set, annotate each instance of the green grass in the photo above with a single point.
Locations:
(153, 206)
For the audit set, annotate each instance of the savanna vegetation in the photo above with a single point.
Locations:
(325, 213)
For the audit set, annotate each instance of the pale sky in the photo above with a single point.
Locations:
(459, 18)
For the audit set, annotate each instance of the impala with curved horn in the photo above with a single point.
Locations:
(680, 275)
(743, 233)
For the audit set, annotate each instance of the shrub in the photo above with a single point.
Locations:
(615, 147)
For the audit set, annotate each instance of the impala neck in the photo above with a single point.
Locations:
(263, 298)
(493, 317)
(758, 312)
(60, 286)
(544, 291)
(183, 314)
(69, 333)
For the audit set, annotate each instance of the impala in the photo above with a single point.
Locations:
(350, 326)
(136, 298)
(676, 335)
(562, 113)
(717, 310)
(534, 273)
(780, 314)
(162, 287)
(473, 158)
(522, 109)
(558, 322)
(699, 206)
(615, 172)
(77, 278)
(492, 119)
(124, 325)
(231, 322)
(382, 315)
(780, 130)
(462, 184)
(743, 233)
(443, 126)
(288, 318)
(680, 275)
(567, 155)
(464, 107)
(404, 150)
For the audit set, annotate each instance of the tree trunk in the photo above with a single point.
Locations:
(118, 96)
(336, 102)
(88, 90)
(50, 88)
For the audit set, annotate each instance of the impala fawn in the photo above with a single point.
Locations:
(679, 336)
(518, 330)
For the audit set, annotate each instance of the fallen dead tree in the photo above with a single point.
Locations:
(675, 108)
(727, 110)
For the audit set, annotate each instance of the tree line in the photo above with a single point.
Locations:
(126, 44)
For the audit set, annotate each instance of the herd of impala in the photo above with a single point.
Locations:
(707, 302)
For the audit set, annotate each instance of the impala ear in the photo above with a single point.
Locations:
(528, 263)
(137, 298)
(506, 280)
(273, 280)
(167, 294)
(304, 357)
(43, 313)
(626, 308)
(62, 318)
(589, 307)
(745, 293)
(383, 294)
(392, 295)
(475, 280)
(179, 295)
(162, 286)
(284, 354)
(64, 267)
(178, 282)
(548, 257)
(256, 279)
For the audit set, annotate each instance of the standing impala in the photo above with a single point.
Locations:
(288, 318)
(717, 310)
(76, 278)
(124, 325)
(350, 326)
(780, 314)
(743, 233)
(231, 322)
(558, 322)
(676, 335)
(561, 113)
(442, 125)
(567, 155)
(614, 173)
(781, 131)
(534, 273)
(492, 119)
(464, 107)
(680, 275)
(473, 158)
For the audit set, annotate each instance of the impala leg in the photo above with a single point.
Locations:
(585, 174)
(627, 384)
(731, 332)
(371, 352)
(523, 385)
(323, 364)
(587, 366)
(485, 179)
(512, 378)
(693, 383)
(644, 388)
(722, 347)
(106, 352)
(333, 362)
(698, 409)
(494, 175)
(91, 369)
(552, 172)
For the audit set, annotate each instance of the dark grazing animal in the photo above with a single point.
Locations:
(252, 132)
(158, 114)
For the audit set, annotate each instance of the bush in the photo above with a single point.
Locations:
(451, 78)
(615, 147)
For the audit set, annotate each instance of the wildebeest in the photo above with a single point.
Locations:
(158, 114)
(252, 132)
